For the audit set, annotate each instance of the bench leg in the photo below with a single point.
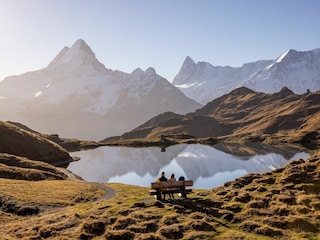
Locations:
(164, 196)
(183, 193)
(159, 196)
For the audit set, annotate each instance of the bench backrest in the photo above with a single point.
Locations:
(168, 184)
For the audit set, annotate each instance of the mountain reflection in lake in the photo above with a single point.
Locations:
(208, 166)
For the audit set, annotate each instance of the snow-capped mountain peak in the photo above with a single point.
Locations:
(188, 69)
(79, 55)
(297, 70)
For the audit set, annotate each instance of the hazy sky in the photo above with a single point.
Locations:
(126, 34)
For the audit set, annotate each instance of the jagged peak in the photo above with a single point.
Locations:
(81, 45)
(283, 55)
(150, 71)
(187, 69)
(188, 61)
(138, 71)
(294, 55)
(79, 54)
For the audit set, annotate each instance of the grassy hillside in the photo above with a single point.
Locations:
(17, 141)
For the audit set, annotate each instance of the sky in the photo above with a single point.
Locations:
(127, 34)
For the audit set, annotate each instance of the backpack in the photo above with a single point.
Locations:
(181, 178)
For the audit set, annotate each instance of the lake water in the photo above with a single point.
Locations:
(208, 166)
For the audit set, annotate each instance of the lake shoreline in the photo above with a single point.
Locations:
(312, 143)
(208, 165)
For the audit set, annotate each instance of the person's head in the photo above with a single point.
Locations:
(172, 175)
(162, 174)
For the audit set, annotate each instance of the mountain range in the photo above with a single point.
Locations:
(76, 96)
(297, 70)
(242, 114)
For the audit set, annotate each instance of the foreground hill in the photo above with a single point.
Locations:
(27, 156)
(281, 204)
(242, 115)
(17, 141)
(70, 144)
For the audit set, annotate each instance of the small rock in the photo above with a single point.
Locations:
(139, 205)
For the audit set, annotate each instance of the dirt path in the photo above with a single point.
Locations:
(111, 193)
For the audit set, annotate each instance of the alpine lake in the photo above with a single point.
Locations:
(207, 166)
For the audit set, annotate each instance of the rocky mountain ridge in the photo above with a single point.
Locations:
(244, 115)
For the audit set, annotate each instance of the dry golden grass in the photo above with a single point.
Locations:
(17, 141)
(50, 192)
(119, 218)
(20, 168)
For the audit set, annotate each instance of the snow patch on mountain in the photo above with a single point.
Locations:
(282, 56)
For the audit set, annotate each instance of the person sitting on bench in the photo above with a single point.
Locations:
(163, 179)
(171, 179)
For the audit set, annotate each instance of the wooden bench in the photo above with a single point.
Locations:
(167, 187)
